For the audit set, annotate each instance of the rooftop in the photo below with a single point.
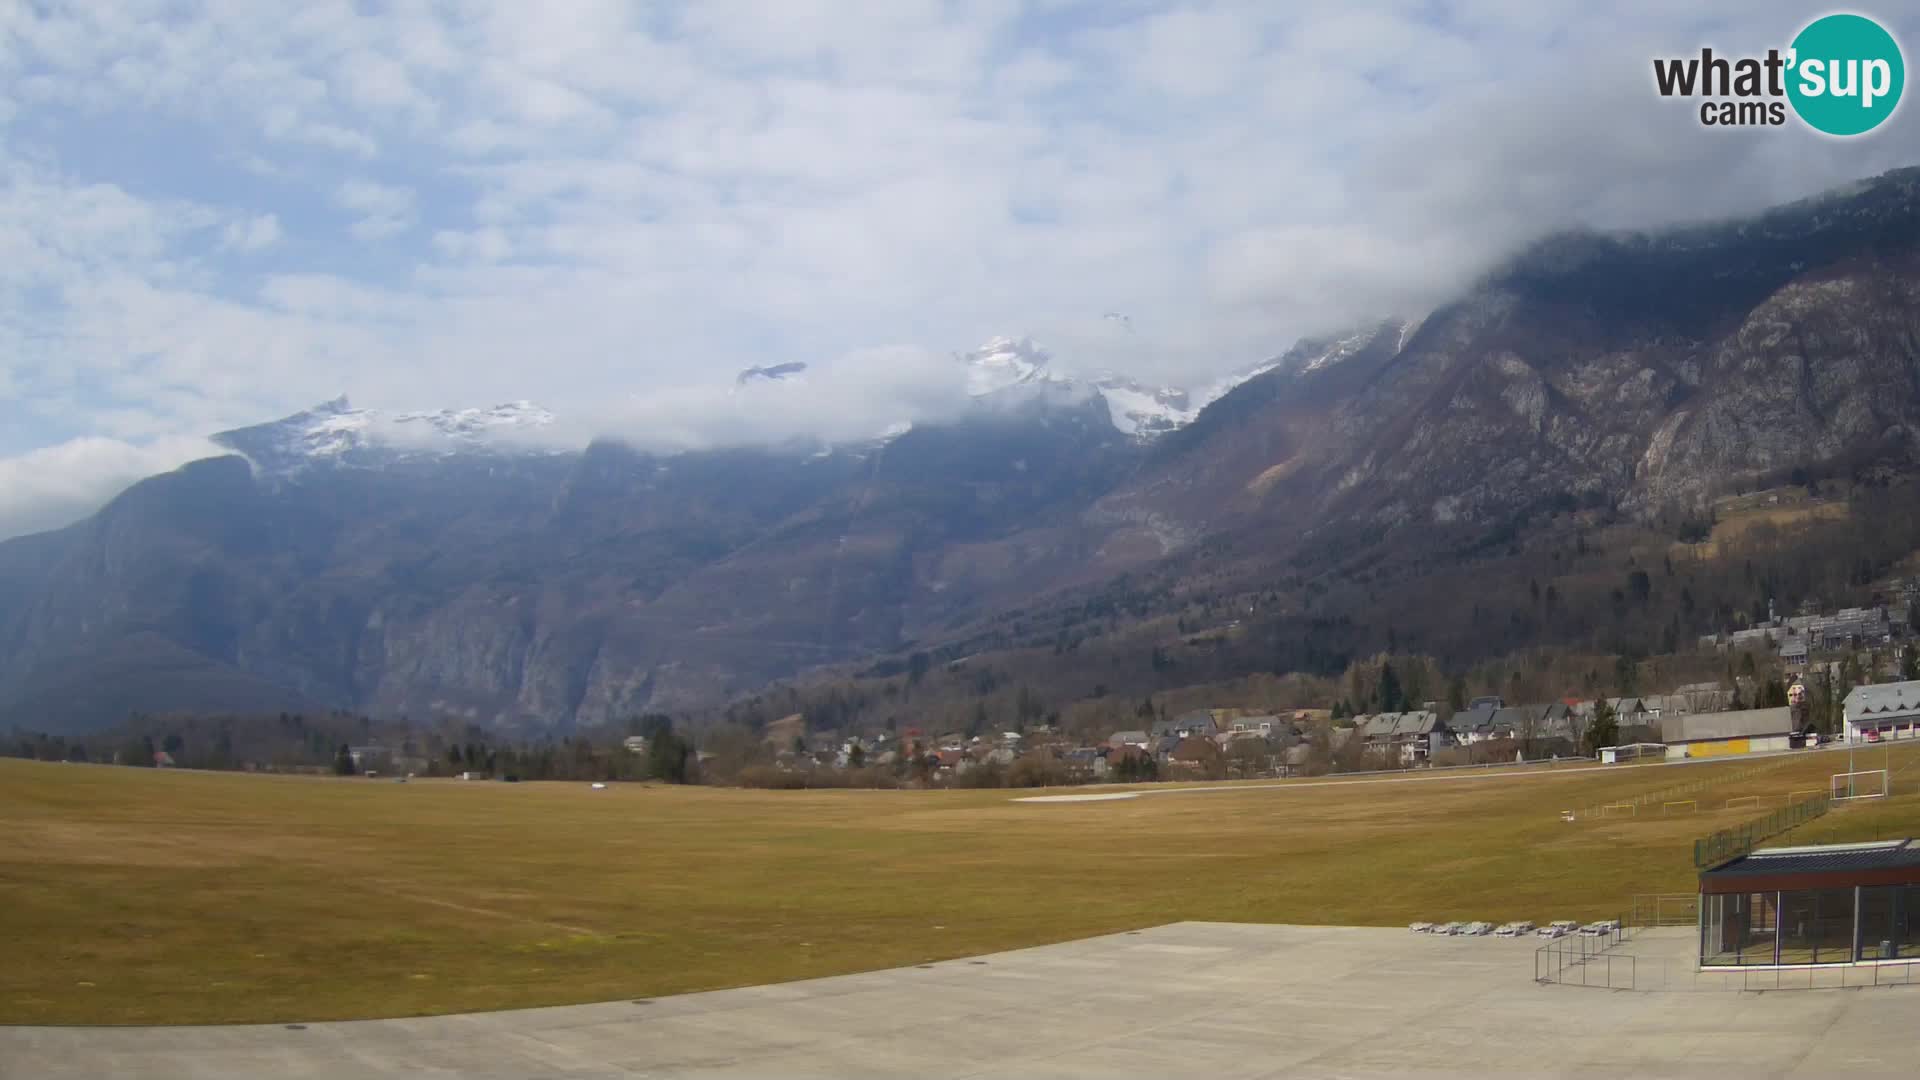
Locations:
(1881, 861)
(1883, 699)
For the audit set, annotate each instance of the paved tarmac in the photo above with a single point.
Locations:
(1189, 999)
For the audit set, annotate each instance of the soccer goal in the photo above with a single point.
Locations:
(1619, 809)
(1866, 784)
(1741, 802)
(1680, 806)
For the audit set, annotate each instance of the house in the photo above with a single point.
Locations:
(1630, 710)
(1259, 725)
(1197, 722)
(162, 759)
(1719, 733)
(635, 744)
(1490, 701)
(1418, 734)
(1555, 728)
(1512, 722)
(1196, 753)
(1376, 729)
(1794, 649)
(1128, 738)
(1885, 711)
(1475, 725)
(1164, 746)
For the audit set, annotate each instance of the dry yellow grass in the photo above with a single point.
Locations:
(135, 896)
(1738, 523)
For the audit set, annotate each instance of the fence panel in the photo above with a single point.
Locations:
(1731, 843)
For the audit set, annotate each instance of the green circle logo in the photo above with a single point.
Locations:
(1846, 74)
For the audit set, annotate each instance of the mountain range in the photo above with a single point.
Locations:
(457, 563)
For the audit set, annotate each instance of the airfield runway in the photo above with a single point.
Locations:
(1188, 999)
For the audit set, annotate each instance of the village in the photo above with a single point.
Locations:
(1846, 694)
(1219, 744)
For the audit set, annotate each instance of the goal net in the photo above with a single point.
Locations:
(1739, 802)
(1866, 784)
(1680, 806)
(1619, 809)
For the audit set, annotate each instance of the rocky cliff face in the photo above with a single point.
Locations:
(1643, 371)
(560, 589)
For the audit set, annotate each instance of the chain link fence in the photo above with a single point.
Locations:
(1731, 843)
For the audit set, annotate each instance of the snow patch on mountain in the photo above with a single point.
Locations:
(334, 432)
(1005, 362)
(1143, 411)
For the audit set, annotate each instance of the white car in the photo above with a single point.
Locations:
(1478, 929)
(1558, 928)
(1421, 927)
(1450, 929)
(1599, 929)
(1513, 929)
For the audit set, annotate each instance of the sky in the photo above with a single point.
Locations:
(214, 214)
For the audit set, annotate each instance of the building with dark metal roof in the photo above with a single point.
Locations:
(1825, 904)
(1884, 711)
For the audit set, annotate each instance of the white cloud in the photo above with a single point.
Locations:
(252, 234)
(384, 209)
(57, 485)
(609, 204)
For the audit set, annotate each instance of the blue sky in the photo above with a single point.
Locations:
(217, 213)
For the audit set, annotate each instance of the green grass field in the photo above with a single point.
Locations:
(137, 896)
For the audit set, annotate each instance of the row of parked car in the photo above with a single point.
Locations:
(1557, 928)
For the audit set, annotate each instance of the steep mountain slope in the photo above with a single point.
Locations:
(1645, 371)
(468, 572)
(541, 588)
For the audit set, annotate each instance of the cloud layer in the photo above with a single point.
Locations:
(211, 216)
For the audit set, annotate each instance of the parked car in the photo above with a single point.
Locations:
(1450, 929)
(1477, 929)
(1513, 929)
(1558, 928)
(1421, 928)
(1600, 929)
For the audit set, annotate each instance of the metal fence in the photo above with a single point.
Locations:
(1581, 959)
(1731, 843)
(1612, 968)
(1666, 909)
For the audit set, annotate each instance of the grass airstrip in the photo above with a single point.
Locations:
(143, 896)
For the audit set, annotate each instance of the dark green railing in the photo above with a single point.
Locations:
(1729, 844)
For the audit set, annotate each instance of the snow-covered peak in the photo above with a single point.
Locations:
(472, 423)
(1005, 362)
(334, 432)
(1137, 410)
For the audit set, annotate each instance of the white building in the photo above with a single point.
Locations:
(1885, 711)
